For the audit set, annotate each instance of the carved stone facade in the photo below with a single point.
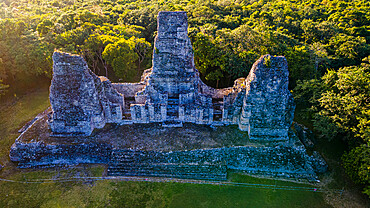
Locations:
(171, 92)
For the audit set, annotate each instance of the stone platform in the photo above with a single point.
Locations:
(192, 151)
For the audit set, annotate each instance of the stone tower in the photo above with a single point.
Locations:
(80, 100)
(173, 60)
(173, 91)
(268, 106)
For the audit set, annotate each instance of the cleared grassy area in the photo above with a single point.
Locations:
(14, 114)
(147, 194)
(228, 196)
(119, 193)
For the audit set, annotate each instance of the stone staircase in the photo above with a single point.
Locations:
(170, 124)
(173, 108)
(126, 114)
(217, 109)
(157, 164)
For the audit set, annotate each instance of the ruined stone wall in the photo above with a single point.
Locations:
(112, 101)
(80, 100)
(214, 93)
(268, 106)
(130, 89)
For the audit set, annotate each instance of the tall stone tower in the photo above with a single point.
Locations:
(173, 60)
(80, 100)
(268, 105)
(173, 91)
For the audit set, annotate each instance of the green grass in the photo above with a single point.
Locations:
(229, 196)
(119, 193)
(149, 194)
(13, 115)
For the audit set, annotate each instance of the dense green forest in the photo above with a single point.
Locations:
(326, 43)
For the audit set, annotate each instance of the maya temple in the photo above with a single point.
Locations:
(92, 120)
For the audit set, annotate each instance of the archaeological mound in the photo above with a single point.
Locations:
(170, 124)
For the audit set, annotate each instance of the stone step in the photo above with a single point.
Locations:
(164, 167)
(217, 117)
(171, 175)
(126, 152)
(172, 107)
(217, 112)
(169, 170)
(186, 157)
(172, 118)
(172, 110)
(157, 164)
(175, 115)
(173, 102)
(172, 123)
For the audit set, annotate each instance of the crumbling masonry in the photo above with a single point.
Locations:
(171, 92)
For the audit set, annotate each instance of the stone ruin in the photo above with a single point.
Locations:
(80, 100)
(137, 142)
(171, 92)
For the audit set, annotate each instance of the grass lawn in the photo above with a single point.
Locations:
(226, 196)
(13, 115)
(109, 193)
(147, 194)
